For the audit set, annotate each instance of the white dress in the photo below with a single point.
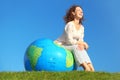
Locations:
(69, 40)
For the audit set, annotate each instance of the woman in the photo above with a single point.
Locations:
(73, 35)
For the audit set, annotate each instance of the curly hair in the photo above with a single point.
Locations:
(69, 16)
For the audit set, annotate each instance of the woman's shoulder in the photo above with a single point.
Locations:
(70, 23)
(82, 26)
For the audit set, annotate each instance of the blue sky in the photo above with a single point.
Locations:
(23, 21)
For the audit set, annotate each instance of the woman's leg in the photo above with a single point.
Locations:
(91, 67)
(85, 66)
(88, 61)
(79, 56)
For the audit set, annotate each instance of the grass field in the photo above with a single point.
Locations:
(73, 75)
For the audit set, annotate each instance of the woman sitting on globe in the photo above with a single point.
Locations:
(72, 38)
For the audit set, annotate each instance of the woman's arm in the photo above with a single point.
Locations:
(69, 30)
(81, 41)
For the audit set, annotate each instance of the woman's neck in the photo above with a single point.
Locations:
(76, 21)
(77, 24)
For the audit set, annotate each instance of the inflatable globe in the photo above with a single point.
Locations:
(45, 55)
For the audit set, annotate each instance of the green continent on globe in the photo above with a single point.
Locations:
(69, 58)
(33, 54)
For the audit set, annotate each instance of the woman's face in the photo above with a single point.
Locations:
(78, 13)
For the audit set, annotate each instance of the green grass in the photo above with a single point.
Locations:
(73, 75)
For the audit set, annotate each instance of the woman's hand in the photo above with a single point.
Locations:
(57, 42)
(82, 45)
(86, 45)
